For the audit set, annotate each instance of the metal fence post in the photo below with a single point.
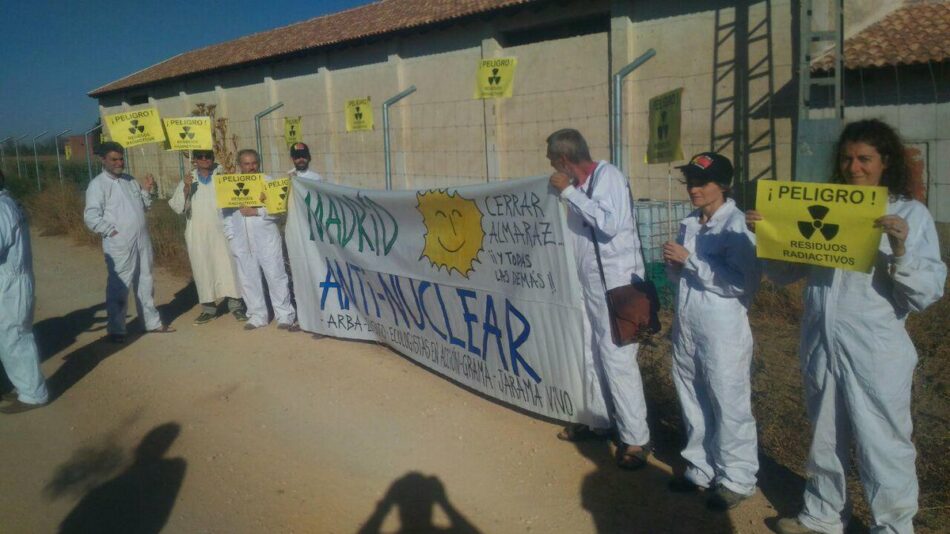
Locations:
(257, 131)
(59, 166)
(85, 138)
(616, 115)
(36, 160)
(3, 156)
(16, 149)
(387, 157)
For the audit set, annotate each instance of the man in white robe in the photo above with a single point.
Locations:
(208, 252)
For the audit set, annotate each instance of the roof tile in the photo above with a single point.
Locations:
(378, 18)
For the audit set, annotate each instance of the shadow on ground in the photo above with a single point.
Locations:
(141, 498)
(414, 497)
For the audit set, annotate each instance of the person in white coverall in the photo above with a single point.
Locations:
(18, 352)
(612, 382)
(211, 264)
(115, 210)
(856, 357)
(256, 246)
(300, 154)
(713, 265)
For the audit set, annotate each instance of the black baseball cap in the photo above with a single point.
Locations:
(299, 150)
(708, 167)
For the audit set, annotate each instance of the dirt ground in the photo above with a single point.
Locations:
(215, 429)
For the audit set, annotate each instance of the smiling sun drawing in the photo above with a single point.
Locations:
(453, 230)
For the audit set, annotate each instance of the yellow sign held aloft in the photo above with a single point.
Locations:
(189, 133)
(238, 190)
(664, 145)
(359, 115)
(68, 150)
(292, 132)
(134, 128)
(276, 192)
(495, 77)
(831, 225)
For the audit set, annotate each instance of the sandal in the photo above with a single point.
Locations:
(630, 459)
(164, 329)
(578, 432)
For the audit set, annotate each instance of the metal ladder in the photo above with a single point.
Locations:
(817, 128)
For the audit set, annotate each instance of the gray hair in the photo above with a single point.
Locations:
(246, 151)
(570, 144)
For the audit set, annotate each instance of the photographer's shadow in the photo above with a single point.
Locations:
(415, 496)
(139, 500)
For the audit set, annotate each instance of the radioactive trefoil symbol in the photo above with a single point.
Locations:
(358, 114)
(187, 133)
(283, 193)
(136, 127)
(494, 79)
(293, 133)
(240, 191)
(818, 213)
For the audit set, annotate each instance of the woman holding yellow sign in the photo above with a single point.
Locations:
(856, 357)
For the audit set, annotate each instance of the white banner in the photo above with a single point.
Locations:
(475, 282)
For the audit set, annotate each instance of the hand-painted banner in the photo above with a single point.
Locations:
(477, 283)
(359, 115)
(189, 133)
(292, 130)
(495, 77)
(664, 145)
(238, 190)
(134, 128)
(830, 225)
(276, 193)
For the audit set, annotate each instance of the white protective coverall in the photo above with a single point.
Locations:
(858, 364)
(308, 174)
(712, 349)
(118, 203)
(612, 383)
(256, 246)
(211, 264)
(18, 351)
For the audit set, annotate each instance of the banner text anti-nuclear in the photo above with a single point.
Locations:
(830, 225)
(476, 283)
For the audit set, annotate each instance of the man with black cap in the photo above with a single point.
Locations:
(211, 264)
(300, 154)
(713, 264)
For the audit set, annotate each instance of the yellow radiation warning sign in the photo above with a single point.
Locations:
(495, 77)
(830, 225)
(134, 128)
(238, 190)
(292, 130)
(189, 133)
(454, 232)
(276, 192)
(664, 145)
(68, 151)
(359, 115)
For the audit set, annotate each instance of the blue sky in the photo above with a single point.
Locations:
(54, 53)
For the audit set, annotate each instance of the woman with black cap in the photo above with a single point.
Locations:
(716, 273)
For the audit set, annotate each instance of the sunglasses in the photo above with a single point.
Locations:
(203, 156)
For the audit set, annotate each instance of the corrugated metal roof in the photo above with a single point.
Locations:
(378, 18)
(914, 33)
